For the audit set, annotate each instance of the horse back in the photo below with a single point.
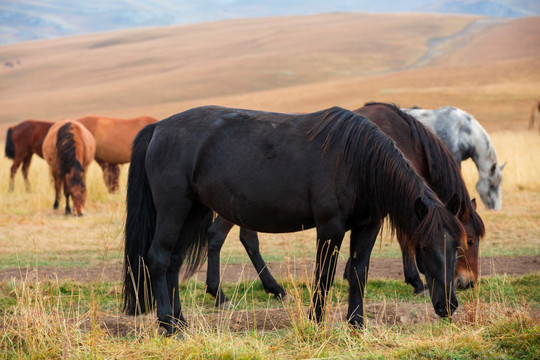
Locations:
(403, 133)
(114, 136)
(239, 162)
(27, 137)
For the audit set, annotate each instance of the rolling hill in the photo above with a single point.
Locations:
(297, 63)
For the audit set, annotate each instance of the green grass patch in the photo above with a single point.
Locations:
(248, 295)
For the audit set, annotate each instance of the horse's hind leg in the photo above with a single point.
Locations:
(115, 176)
(216, 237)
(250, 240)
(108, 174)
(192, 226)
(14, 167)
(171, 214)
(57, 186)
(66, 194)
(362, 241)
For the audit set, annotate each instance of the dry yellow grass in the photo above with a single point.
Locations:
(30, 229)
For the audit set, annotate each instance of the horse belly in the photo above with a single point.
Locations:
(262, 197)
(112, 153)
(263, 215)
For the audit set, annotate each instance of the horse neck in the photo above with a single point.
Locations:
(484, 154)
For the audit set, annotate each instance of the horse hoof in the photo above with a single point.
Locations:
(421, 292)
(284, 298)
(161, 331)
(227, 305)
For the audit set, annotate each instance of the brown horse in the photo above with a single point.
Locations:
(430, 158)
(535, 107)
(434, 162)
(69, 148)
(113, 143)
(22, 141)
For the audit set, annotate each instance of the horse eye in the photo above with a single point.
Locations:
(470, 242)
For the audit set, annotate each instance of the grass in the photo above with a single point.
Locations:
(52, 320)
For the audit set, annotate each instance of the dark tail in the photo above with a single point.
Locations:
(140, 228)
(67, 154)
(10, 148)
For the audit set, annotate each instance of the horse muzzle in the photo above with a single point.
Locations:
(445, 308)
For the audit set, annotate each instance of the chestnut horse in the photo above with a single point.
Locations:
(69, 148)
(113, 143)
(432, 161)
(22, 141)
(535, 107)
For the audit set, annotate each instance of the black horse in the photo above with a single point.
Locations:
(333, 170)
(431, 159)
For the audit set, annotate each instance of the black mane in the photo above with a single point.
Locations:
(350, 134)
(443, 171)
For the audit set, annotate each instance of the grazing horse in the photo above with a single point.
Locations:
(432, 161)
(69, 148)
(333, 170)
(466, 138)
(22, 141)
(535, 107)
(113, 143)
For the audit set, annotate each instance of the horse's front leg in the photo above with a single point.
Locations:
(410, 271)
(362, 241)
(216, 237)
(250, 240)
(329, 239)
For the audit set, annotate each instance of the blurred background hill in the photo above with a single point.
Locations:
(24, 20)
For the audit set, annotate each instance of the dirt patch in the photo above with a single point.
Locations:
(260, 320)
(380, 268)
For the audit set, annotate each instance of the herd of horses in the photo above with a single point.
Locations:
(334, 170)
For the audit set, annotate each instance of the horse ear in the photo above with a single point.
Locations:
(473, 203)
(464, 213)
(453, 204)
(502, 166)
(420, 209)
(492, 169)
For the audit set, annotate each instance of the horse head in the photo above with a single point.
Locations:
(77, 189)
(489, 186)
(440, 234)
(466, 273)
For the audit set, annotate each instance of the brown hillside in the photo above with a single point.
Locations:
(517, 39)
(299, 63)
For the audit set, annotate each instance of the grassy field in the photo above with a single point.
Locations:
(333, 59)
(65, 318)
